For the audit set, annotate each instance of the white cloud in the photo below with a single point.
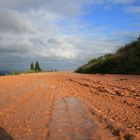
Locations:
(123, 1)
(63, 52)
(31, 30)
(60, 7)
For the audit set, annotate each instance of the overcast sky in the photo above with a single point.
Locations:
(63, 34)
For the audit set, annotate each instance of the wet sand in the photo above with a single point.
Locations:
(69, 106)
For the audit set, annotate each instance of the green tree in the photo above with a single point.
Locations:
(139, 38)
(37, 67)
(32, 66)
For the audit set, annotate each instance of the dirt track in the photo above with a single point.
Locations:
(67, 106)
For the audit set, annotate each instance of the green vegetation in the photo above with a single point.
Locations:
(52, 71)
(35, 68)
(125, 61)
(32, 66)
(15, 72)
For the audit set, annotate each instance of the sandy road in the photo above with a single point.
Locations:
(53, 106)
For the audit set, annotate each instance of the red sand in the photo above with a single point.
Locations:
(112, 102)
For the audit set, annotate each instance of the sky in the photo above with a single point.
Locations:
(64, 34)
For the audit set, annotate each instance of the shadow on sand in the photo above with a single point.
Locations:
(4, 135)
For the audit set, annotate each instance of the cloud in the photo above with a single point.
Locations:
(56, 49)
(63, 52)
(15, 48)
(12, 21)
(51, 31)
(91, 48)
(60, 7)
(53, 6)
(133, 9)
(123, 1)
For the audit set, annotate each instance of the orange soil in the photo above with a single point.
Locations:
(112, 102)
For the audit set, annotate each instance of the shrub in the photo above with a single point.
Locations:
(125, 61)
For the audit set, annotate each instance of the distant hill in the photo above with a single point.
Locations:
(125, 61)
(4, 73)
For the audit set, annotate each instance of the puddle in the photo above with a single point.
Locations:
(70, 121)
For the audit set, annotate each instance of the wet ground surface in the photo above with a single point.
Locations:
(70, 121)
(68, 106)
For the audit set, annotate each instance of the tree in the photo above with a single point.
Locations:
(139, 38)
(37, 67)
(32, 66)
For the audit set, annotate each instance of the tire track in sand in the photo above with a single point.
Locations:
(71, 121)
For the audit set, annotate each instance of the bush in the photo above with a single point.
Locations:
(125, 61)
(15, 73)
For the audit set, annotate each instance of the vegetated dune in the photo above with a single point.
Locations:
(70, 106)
